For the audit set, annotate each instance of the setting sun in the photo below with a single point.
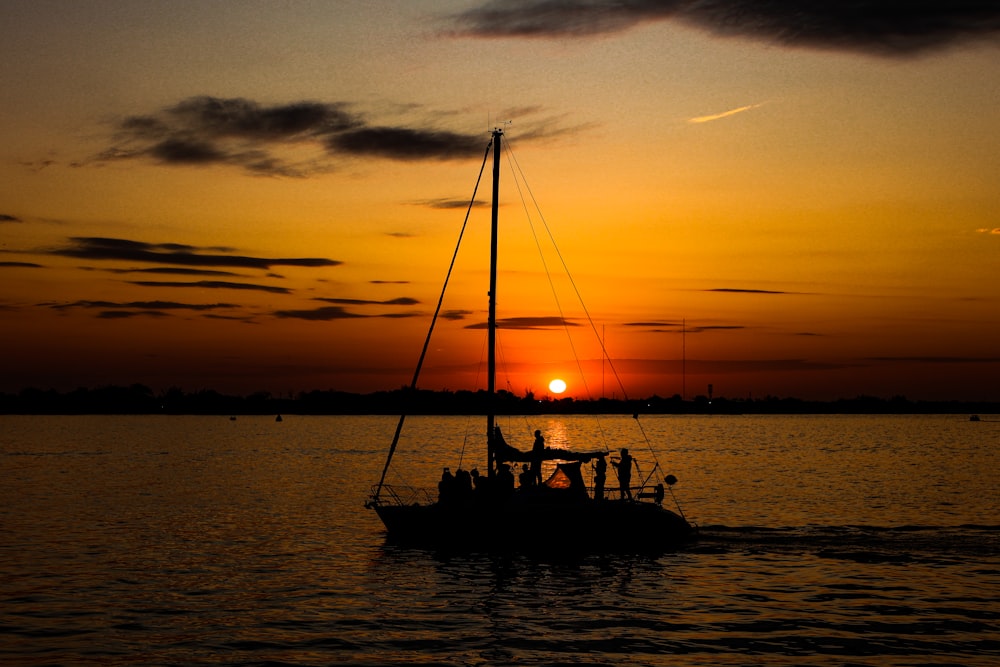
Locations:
(557, 386)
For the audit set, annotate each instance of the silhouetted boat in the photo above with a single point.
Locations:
(559, 514)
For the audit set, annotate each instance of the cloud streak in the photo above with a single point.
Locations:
(102, 248)
(213, 284)
(889, 28)
(448, 204)
(528, 323)
(400, 301)
(679, 327)
(21, 265)
(113, 310)
(737, 290)
(145, 305)
(331, 313)
(724, 114)
(237, 132)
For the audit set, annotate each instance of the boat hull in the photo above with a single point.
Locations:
(537, 525)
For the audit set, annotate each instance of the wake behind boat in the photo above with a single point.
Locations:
(562, 513)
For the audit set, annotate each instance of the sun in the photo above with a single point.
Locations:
(557, 386)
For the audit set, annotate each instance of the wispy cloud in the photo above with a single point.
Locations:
(21, 265)
(115, 310)
(238, 132)
(736, 290)
(172, 271)
(337, 311)
(144, 305)
(683, 327)
(447, 203)
(400, 301)
(213, 284)
(724, 114)
(4, 217)
(128, 314)
(330, 313)
(528, 323)
(883, 28)
(101, 248)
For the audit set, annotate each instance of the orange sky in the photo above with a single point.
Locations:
(261, 196)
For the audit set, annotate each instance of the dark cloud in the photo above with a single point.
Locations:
(653, 324)
(889, 27)
(22, 265)
(400, 301)
(716, 327)
(9, 218)
(679, 327)
(126, 314)
(238, 117)
(734, 290)
(528, 323)
(174, 271)
(329, 313)
(324, 314)
(448, 204)
(145, 305)
(204, 130)
(186, 152)
(213, 284)
(400, 143)
(230, 318)
(98, 248)
(455, 314)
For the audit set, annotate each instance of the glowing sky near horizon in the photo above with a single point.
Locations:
(264, 196)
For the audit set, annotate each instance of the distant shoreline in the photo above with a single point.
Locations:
(139, 399)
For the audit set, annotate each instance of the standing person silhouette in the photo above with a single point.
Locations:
(624, 468)
(600, 474)
(537, 450)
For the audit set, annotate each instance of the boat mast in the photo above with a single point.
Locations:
(491, 322)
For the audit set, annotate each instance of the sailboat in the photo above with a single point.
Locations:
(559, 514)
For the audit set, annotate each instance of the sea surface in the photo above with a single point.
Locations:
(175, 540)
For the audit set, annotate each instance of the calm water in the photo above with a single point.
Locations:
(199, 540)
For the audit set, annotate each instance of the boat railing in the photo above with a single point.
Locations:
(401, 495)
(647, 492)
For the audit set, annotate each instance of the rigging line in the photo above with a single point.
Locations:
(518, 178)
(502, 362)
(579, 296)
(548, 274)
(505, 368)
(468, 419)
(583, 305)
(430, 330)
(649, 444)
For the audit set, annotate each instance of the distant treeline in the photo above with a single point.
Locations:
(139, 399)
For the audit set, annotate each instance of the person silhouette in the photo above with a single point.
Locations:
(624, 468)
(526, 477)
(600, 475)
(446, 487)
(537, 450)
